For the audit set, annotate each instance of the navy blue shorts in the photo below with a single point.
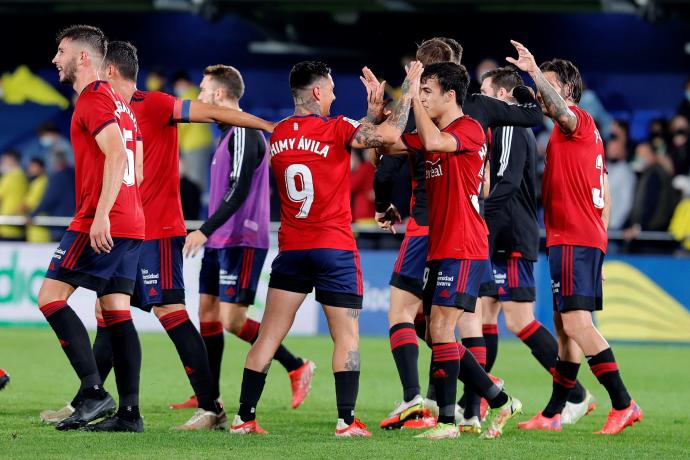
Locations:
(75, 262)
(514, 278)
(576, 277)
(232, 274)
(408, 271)
(454, 283)
(335, 274)
(159, 274)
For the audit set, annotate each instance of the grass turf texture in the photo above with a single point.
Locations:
(657, 376)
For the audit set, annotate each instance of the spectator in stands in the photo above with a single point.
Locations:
(38, 183)
(592, 104)
(196, 139)
(620, 130)
(48, 140)
(680, 222)
(362, 188)
(622, 182)
(655, 198)
(13, 188)
(658, 135)
(684, 106)
(155, 80)
(678, 147)
(190, 194)
(59, 199)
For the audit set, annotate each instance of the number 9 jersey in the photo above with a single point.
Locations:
(310, 157)
(573, 186)
(97, 107)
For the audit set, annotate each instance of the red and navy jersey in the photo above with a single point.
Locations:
(157, 114)
(310, 158)
(573, 185)
(418, 223)
(97, 107)
(453, 183)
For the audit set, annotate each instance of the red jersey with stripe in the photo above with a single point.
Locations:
(453, 183)
(573, 186)
(97, 107)
(310, 157)
(157, 114)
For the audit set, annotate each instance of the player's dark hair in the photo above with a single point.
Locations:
(228, 77)
(92, 36)
(568, 76)
(503, 77)
(305, 73)
(123, 55)
(434, 50)
(450, 76)
(455, 46)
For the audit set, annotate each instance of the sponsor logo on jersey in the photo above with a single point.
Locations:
(433, 169)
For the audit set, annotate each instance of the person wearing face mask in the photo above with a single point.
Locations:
(38, 183)
(684, 106)
(48, 140)
(622, 182)
(678, 148)
(13, 187)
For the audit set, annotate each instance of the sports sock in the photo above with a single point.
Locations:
(126, 355)
(250, 332)
(190, 348)
(129, 413)
(103, 350)
(490, 332)
(252, 386)
(212, 334)
(346, 390)
(564, 375)
(445, 362)
(544, 347)
(405, 351)
(471, 400)
(473, 375)
(74, 340)
(605, 369)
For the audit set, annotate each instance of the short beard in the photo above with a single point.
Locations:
(69, 73)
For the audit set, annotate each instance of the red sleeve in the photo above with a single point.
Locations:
(96, 110)
(412, 142)
(345, 129)
(469, 136)
(163, 108)
(585, 123)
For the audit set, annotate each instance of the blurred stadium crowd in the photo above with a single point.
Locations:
(650, 179)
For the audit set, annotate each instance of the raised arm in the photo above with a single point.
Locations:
(112, 145)
(200, 112)
(432, 138)
(139, 162)
(375, 99)
(554, 104)
(388, 133)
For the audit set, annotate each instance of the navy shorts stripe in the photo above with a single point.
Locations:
(576, 277)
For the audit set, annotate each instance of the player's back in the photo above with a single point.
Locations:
(160, 190)
(310, 157)
(97, 107)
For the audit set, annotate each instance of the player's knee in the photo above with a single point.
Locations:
(575, 326)
(234, 321)
(440, 327)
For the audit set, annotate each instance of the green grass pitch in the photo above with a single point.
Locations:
(657, 376)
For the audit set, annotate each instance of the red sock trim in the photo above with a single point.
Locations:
(249, 331)
(174, 319)
(489, 329)
(562, 381)
(479, 354)
(445, 352)
(100, 322)
(112, 317)
(603, 368)
(210, 328)
(403, 336)
(52, 307)
(529, 330)
(461, 350)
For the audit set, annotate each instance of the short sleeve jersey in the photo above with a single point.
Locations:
(453, 183)
(157, 114)
(573, 185)
(310, 157)
(97, 107)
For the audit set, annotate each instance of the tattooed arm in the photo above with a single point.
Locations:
(375, 99)
(388, 133)
(554, 104)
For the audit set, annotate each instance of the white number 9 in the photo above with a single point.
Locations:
(306, 194)
(598, 193)
(128, 177)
